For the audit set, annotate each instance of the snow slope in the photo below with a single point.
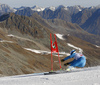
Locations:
(86, 76)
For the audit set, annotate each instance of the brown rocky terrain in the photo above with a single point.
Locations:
(30, 33)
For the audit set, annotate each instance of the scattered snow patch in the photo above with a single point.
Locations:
(6, 41)
(65, 8)
(47, 52)
(10, 35)
(60, 36)
(38, 51)
(80, 50)
(97, 46)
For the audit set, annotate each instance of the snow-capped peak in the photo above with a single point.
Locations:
(62, 6)
(78, 7)
(92, 7)
(51, 8)
(6, 8)
(37, 8)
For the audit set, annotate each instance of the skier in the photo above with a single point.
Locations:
(79, 60)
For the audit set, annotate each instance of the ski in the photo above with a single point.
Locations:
(63, 71)
(56, 72)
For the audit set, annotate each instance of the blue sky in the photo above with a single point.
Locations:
(47, 3)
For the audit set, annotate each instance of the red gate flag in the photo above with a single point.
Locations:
(54, 49)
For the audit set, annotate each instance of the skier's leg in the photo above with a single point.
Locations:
(71, 65)
(79, 63)
(82, 62)
(72, 61)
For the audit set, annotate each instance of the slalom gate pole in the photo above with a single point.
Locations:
(58, 53)
(51, 53)
(59, 61)
(51, 63)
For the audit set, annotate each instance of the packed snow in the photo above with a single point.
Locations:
(86, 76)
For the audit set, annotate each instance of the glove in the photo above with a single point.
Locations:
(66, 64)
(62, 60)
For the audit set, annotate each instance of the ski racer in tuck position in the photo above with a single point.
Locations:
(79, 60)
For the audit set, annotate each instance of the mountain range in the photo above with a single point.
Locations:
(5, 9)
(30, 29)
(75, 14)
(86, 18)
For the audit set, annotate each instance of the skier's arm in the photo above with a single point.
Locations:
(71, 56)
(68, 57)
(65, 59)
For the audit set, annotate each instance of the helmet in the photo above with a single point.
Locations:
(72, 52)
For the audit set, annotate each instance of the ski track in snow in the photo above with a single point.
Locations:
(87, 76)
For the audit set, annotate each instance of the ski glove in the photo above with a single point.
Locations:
(66, 64)
(62, 60)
